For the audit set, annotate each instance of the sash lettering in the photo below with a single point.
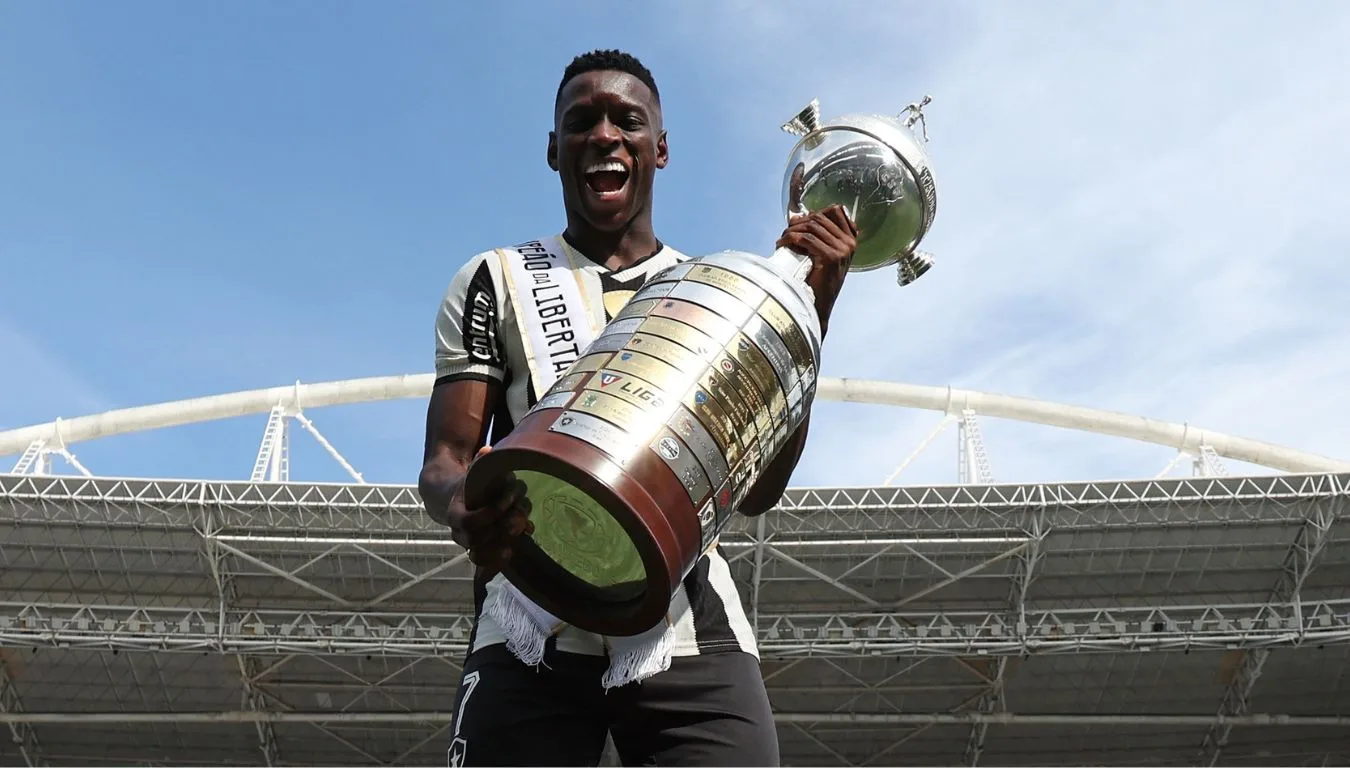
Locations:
(553, 317)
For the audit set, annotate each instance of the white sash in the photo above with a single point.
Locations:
(556, 322)
(556, 325)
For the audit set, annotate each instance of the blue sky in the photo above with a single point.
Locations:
(1141, 207)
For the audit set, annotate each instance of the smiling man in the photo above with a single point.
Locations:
(535, 692)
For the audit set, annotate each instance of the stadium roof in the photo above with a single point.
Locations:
(1149, 622)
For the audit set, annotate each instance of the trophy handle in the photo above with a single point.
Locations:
(792, 264)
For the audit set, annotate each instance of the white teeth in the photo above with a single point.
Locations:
(609, 165)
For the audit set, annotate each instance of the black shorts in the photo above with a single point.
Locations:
(704, 710)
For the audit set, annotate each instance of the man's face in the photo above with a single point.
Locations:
(606, 145)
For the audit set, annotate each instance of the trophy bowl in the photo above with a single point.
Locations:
(878, 170)
(638, 456)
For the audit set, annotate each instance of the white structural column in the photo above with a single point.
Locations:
(273, 463)
(37, 459)
(972, 465)
(1299, 560)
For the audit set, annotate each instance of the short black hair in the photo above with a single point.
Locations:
(608, 60)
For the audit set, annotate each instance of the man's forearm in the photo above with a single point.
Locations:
(437, 483)
(768, 490)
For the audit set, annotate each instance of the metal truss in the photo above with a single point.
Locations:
(20, 731)
(994, 699)
(396, 510)
(970, 579)
(1298, 563)
(37, 459)
(248, 668)
(327, 520)
(281, 631)
(972, 464)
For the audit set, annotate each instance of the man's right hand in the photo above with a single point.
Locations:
(488, 529)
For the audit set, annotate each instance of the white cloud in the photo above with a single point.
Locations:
(1139, 210)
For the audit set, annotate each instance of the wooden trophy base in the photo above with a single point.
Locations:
(583, 498)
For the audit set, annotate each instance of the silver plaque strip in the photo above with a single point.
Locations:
(780, 437)
(707, 523)
(774, 285)
(653, 290)
(796, 411)
(609, 343)
(695, 435)
(732, 282)
(624, 326)
(676, 272)
(715, 299)
(681, 461)
(567, 383)
(766, 338)
(597, 432)
(794, 397)
(555, 400)
(712, 325)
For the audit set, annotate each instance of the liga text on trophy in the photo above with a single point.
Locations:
(637, 457)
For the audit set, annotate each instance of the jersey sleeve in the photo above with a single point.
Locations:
(468, 338)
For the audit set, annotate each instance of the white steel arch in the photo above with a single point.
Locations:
(949, 400)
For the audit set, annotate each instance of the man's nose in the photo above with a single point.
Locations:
(605, 134)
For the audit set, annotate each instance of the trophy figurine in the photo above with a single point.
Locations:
(637, 457)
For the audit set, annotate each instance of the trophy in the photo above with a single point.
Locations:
(637, 457)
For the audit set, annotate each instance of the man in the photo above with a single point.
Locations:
(703, 701)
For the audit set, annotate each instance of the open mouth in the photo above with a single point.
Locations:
(607, 179)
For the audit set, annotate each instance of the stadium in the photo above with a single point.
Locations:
(1201, 619)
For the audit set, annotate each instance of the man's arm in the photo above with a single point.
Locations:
(458, 417)
(470, 369)
(829, 238)
(769, 488)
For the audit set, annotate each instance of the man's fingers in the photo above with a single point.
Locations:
(833, 224)
(805, 242)
(839, 216)
(485, 526)
(511, 496)
(501, 536)
(835, 218)
(831, 236)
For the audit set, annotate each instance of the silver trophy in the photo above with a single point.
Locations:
(637, 458)
(878, 170)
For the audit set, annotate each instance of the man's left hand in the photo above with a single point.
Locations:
(829, 238)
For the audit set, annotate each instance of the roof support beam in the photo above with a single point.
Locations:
(20, 732)
(249, 669)
(995, 700)
(1299, 560)
(781, 636)
(1182, 437)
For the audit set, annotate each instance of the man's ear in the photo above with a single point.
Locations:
(553, 150)
(662, 151)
